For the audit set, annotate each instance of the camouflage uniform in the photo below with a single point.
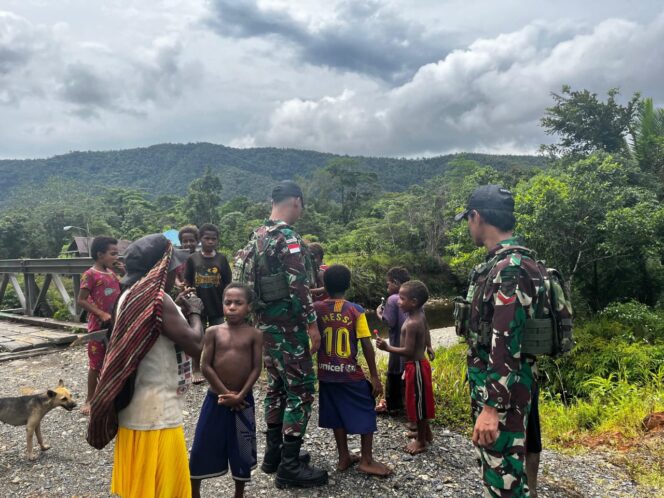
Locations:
(286, 353)
(502, 293)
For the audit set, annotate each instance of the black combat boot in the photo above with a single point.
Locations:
(273, 444)
(292, 472)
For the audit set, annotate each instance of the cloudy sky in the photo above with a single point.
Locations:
(399, 78)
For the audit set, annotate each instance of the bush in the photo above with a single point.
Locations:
(450, 388)
(640, 321)
(623, 340)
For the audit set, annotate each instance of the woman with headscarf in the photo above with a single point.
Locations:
(145, 374)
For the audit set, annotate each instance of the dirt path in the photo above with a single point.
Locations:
(72, 468)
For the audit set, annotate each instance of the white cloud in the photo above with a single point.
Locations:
(395, 77)
(487, 97)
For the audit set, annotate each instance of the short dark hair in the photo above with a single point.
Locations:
(248, 291)
(337, 279)
(415, 289)
(501, 219)
(207, 227)
(398, 274)
(316, 249)
(101, 245)
(192, 229)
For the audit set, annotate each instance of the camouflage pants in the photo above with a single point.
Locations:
(502, 466)
(291, 379)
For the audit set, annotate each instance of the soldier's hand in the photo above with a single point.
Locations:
(486, 431)
(314, 335)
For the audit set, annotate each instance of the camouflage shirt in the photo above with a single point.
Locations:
(501, 299)
(285, 251)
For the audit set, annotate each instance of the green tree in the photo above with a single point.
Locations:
(353, 184)
(591, 222)
(649, 139)
(586, 124)
(203, 198)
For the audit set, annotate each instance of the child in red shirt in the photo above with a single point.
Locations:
(99, 291)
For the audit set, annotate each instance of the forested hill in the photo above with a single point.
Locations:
(169, 168)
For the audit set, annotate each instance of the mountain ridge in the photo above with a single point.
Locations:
(168, 168)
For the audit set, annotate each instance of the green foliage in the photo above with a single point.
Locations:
(202, 200)
(451, 388)
(643, 322)
(649, 139)
(585, 124)
(169, 168)
(589, 219)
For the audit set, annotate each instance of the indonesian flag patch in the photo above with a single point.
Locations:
(293, 246)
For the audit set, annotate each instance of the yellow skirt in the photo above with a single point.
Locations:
(151, 464)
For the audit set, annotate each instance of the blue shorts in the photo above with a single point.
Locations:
(224, 436)
(347, 405)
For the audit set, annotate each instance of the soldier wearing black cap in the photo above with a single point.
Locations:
(282, 277)
(502, 294)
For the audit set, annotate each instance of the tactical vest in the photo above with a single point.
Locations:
(251, 266)
(548, 331)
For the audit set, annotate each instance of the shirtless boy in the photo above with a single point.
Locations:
(419, 391)
(231, 362)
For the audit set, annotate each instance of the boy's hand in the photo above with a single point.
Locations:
(104, 317)
(376, 387)
(379, 311)
(382, 344)
(233, 401)
(314, 335)
(431, 353)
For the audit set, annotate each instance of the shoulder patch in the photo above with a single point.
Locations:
(293, 247)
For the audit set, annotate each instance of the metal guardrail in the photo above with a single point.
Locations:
(32, 298)
(61, 266)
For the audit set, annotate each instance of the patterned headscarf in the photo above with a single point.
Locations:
(137, 327)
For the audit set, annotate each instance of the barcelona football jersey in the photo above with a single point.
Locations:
(341, 324)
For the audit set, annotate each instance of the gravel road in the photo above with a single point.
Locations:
(72, 468)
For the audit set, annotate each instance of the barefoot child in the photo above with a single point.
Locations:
(99, 290)
(209, 273)
(231, 362)
(419, 389)
(346, 398)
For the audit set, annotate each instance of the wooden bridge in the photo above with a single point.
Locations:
(27, 327)
(21, 275)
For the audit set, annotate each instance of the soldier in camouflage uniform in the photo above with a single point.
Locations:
(283, 277)
(501, 295)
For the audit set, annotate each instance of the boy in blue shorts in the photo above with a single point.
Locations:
(346, 398)
(231, 362)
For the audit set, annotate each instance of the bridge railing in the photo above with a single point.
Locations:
(21, 275)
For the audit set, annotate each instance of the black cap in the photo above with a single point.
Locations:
(488, 197)
(141, 255)
(286, 189)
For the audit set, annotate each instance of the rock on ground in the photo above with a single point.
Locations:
(72, 468)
